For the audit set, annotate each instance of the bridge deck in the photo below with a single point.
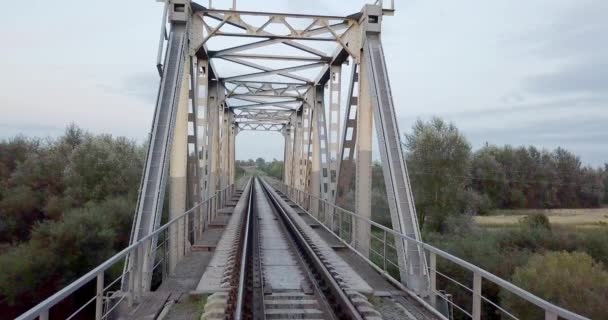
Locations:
(179, 296)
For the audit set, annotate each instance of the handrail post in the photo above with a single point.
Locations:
(384, 249)
(186, 235)
(476, 296)
(433, 276)
(549, 315)
(44, 315)
(132, 277)
(99, 297)
(165, 255)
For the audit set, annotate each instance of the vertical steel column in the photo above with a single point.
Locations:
(214, 106)
(287, 154)
(321, 131)
(225, 148)
(177, 176)
(232, 157)
(363, 186)
(194, 172)
(305, 147)
(202, 95)
(335, 87)
(297, 150)
(316, 158)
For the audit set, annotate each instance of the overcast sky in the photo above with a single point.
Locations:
(504, 71)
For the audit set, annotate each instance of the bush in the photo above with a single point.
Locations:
(571, 280)
(536, 221)
(60, 251)
(481, 248)
(19, 209)
(595, 243)
(26, 271)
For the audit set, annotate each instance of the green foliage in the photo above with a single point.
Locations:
(439, 158)
(482, 248)
(239, 171)
(536, 221)
(531, 178)
(13, 151)
(60, 251)
(571, 280)
(65, 206)
(101, 167)
(18, 210)
(26, 270)
(595, 243)
(501, 252)
(273, 169)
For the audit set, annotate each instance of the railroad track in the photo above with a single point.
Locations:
(279, 272)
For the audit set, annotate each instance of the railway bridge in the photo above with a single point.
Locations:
(305, 247)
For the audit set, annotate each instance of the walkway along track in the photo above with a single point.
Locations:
(279, 272)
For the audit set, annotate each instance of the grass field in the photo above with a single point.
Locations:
(579, 218)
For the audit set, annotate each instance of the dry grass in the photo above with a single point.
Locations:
(568, 217)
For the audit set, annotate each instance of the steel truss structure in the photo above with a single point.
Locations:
(322, 82)
(226, 71)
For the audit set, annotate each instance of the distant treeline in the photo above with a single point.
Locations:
(273, 168)
(532, 178)
(449, 178)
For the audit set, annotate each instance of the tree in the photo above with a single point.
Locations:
(567, 166)
(60, 251)
(65, 206)
(488, 175)
(19, 209)
(438, 158)
(571, 280)
(260, 163)
(101, 167)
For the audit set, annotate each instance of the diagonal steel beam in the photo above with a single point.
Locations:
(278, 104)
(264, 68)
(271, 57)
(288, 42)
(277, 72)
(254, 95)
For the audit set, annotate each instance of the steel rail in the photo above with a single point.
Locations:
(345, 304)
(238, 311)
(525, 295)
(258, 308)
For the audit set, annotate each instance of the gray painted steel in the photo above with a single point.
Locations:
(398, 188)
(152, 190)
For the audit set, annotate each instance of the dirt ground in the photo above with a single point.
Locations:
(566, 217)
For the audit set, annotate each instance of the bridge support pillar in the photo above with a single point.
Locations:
(363, 168)
(287, 155)
(201, 94)
(214, 105)
(231, 158)
(298, 156)
(315, 174)
(177, 179)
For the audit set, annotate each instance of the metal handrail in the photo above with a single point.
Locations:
(551, 310)
(42, 309)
